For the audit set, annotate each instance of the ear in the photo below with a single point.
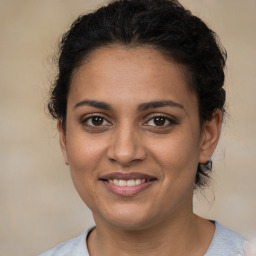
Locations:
(62, 141)
(210, 137)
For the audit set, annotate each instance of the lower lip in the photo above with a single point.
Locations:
(127, 190)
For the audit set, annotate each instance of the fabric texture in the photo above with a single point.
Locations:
(225, 243)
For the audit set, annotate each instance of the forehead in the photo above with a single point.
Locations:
(139, 72)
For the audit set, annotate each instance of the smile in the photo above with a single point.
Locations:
(127, 184)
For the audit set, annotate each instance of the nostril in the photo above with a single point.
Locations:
(126, 144)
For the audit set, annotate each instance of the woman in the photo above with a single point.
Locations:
(139, 102)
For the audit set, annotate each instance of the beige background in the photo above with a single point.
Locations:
(39, 206)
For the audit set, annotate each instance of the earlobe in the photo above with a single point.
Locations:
(62, 141)
(210, 136)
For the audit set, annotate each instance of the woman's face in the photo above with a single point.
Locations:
(133, 139)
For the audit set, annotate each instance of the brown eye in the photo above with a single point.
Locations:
(159, 121)
(97, 120)
(95, 123)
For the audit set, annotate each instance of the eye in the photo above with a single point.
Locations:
(95, 121)
(158, 121)
(161, 121)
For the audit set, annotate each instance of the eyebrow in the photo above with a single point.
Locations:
(141, 107)
(93, 103)
(159, 104)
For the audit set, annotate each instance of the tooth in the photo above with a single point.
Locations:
(116, 182)
(137, 181)
(130, 183)
(122, 183)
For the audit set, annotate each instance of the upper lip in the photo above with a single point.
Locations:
(127, 176)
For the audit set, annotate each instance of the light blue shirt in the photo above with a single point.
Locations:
(225, 243)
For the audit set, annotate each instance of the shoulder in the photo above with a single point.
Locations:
(72, 247)
(225, 242)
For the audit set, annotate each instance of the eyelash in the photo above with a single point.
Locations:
(87, 122)
(171, 121)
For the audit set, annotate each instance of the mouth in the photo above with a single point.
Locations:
(127, 184)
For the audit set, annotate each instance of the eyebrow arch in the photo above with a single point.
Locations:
(93, 103)
(158, 104)
(141, 107)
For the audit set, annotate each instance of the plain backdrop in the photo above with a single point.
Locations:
(39, 205)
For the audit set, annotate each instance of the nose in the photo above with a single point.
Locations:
(126, 146)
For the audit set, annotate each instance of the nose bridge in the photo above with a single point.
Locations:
(126, 144)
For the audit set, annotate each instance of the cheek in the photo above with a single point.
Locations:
(85, 156)
(83, 151)
(178, 154)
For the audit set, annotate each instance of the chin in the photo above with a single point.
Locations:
(127, 218)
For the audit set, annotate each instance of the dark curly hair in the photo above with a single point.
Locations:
(164, 25)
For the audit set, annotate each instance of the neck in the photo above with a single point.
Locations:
(186, 236)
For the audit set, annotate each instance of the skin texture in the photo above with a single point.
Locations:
(129, 140)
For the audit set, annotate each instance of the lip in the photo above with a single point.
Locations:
(127, 190)
(127, 176)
